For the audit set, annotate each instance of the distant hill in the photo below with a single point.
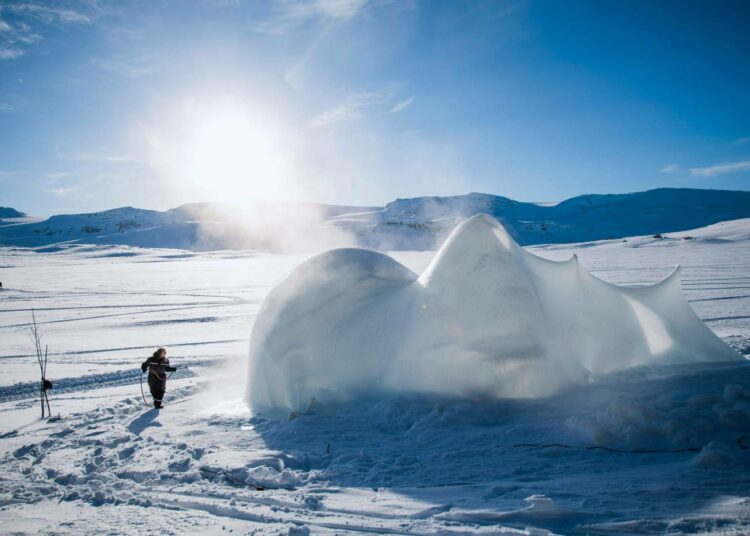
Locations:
(420, 223)
(423, 222)
(7, 212)
(280, 227)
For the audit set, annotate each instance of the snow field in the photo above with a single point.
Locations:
(403, 464)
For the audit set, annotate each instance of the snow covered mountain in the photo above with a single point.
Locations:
(405, 224)
(7, 212)
(195, 226)
(424, 222)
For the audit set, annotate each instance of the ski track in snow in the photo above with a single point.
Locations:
(404, 465)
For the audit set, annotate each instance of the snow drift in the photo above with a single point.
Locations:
(485, 318)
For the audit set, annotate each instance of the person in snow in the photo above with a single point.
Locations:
(157, 366)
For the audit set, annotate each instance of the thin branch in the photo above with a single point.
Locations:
(42, 360)
(37, 341)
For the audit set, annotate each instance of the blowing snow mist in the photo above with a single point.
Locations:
(485, 318)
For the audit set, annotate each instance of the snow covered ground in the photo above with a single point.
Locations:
(650, 450)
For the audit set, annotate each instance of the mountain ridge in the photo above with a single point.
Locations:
(410, 223)
(8, 212)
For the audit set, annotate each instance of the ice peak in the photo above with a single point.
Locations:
(479, 243)
(484, 228)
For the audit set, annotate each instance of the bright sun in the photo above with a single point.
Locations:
(225, 151)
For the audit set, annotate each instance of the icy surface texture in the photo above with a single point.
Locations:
(486, 318)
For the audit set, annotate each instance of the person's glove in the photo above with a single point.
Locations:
(144, 367)
(172, 369)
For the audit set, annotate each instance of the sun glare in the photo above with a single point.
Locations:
(224, 151)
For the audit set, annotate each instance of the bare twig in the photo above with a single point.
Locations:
(41, 358)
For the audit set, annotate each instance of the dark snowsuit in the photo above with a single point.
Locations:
(157, 377)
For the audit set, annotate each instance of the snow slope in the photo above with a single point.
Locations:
(418, 464)
(197, 227)
(484, 318)
(425, 222)
(421, 223)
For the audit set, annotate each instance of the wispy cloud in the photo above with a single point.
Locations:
(402, 105)
(5, 107)
(61, 192)
(337, 9)
(24, 23)
(741, 141)
(351, 107)
(287, 14)
(109, 158)
(18, 33)
(132, 65)
(58, 175)
(10, 53)
(721, 169)
(51, 13)
(670, 168)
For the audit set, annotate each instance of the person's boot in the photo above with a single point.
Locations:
(157, 405)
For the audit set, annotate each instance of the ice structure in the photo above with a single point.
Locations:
(486, 318)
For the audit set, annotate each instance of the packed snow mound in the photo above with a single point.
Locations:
(486, 318)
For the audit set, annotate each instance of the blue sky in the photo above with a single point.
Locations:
(154, 104)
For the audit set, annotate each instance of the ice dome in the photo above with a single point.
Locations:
(485, 318)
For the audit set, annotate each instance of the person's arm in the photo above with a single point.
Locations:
(171, 369)
(145, 364)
